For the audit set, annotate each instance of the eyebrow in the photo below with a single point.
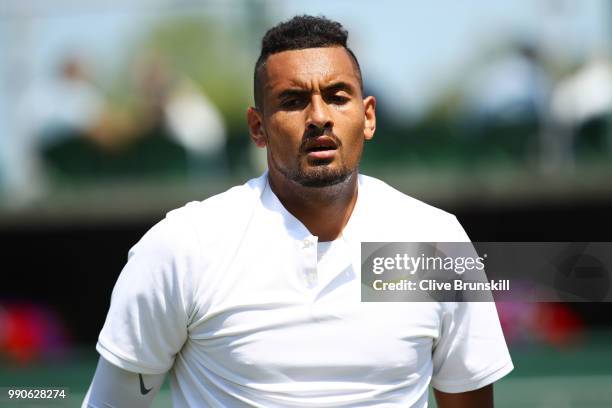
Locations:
(334, 87)
(299, 92)
(339, 86)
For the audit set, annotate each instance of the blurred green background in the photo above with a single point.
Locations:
(543, 377)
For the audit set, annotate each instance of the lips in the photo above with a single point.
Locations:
(320, 144)
(321, 148)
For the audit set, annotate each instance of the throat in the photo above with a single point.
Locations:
(324, 211)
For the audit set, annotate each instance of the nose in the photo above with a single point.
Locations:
(319, 116)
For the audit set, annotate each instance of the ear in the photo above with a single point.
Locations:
(369, 107)
(256, 129)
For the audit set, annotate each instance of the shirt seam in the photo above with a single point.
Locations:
(199, 263)
(473, 381)
(127, 361)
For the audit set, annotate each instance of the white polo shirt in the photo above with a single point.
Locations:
(246, 308)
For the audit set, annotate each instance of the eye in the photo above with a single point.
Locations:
(293, 103)
(338, 99)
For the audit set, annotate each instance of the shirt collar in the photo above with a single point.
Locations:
(295, 228)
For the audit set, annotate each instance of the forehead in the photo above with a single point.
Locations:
(309, 67)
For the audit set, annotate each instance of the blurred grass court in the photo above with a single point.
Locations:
(578, 376)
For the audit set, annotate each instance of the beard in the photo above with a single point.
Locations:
(317, 175)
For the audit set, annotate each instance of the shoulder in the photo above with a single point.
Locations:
(198, 225)
(402, 215)
(224, 213)
(185, 241)
(385, 196)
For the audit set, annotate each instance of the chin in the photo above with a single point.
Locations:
(322, 176)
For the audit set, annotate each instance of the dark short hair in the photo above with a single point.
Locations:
(297, 34)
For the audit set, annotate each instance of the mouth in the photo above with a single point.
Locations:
(322, 147)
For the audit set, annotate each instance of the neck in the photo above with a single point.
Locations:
(324, 211)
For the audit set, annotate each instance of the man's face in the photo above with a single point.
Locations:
(313, 118)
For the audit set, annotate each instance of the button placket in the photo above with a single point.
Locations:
(309, 253)
(337, 265)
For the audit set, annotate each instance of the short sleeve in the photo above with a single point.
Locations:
(146, 325)
(470, 351)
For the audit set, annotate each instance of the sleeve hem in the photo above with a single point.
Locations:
(487, 378)
(121, 361)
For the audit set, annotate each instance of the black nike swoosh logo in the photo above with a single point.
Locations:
(143, 389)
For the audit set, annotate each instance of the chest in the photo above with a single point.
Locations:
(295, 315)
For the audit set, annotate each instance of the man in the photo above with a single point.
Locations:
(252, 297)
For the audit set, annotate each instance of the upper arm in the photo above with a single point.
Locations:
(147, 323)
(470, 351)
(480, 398)
(115, 387)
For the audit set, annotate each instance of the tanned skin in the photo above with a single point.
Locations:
(314, 121)
(480, 398)
(313, 96)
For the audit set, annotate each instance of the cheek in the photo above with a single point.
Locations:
(286, 123)
(351, 126)
(351, 118)
(353, 139)
(285, 131)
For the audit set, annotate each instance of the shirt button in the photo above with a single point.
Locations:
(311, 279)
(307, 243)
